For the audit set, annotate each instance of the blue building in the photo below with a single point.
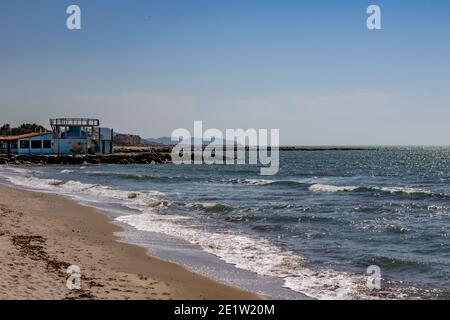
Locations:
(31, 143)
(70, 136)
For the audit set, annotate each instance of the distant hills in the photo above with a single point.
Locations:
(157, 141)
(167, 141)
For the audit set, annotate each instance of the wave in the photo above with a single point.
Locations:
(210, 207)
(406, 191)
(389, 262)
(254, 182)
(26, 178)
(245, 251)
(281, 218)
(374, 225)
(140, 177)
(266, 182)
(255, 254)
(330, 188)
(132, 199)
(175, 179)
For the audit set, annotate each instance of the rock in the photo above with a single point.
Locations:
(153, 157)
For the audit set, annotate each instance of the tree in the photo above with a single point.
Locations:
(6, 129)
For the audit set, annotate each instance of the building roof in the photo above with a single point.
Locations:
(23, 136)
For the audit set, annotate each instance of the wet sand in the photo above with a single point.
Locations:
(41, 235)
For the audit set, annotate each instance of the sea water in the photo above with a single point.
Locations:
(313, 229)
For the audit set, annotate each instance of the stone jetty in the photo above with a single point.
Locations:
(116, 158)
(129, 155)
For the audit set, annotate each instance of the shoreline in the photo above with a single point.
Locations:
(42, 234)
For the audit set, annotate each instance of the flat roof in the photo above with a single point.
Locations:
(24, 136)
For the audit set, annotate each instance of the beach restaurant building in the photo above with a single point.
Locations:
(69, 136)
(30, 143)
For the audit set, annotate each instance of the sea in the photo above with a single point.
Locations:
(316, 230)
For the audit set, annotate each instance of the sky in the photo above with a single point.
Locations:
(311, 68)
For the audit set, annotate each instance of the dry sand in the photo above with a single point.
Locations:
(42, 234)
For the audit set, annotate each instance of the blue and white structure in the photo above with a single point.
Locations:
(70, 136)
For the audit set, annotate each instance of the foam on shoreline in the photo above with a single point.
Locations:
(245, 251)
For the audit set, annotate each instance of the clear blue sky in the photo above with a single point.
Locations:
(309, 68)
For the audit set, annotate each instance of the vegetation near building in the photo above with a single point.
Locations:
(7, 130)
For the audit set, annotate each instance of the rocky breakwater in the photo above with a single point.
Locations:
(115, 158)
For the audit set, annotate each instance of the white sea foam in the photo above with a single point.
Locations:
(247, 252)
(405, 190)
(264, 182)
(257, 182)
(252, 253)
(331, 188)
(134, 200)
(26, 178)
(66, 171)
(197, 205)
(393, 190)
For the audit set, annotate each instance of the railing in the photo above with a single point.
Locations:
(74, 122)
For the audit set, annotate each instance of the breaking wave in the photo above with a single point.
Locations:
(27, 179)
(245, 251)
(405, 191)
(266, 182)
(330, 188)
(210, 207)
(254, 254)
(137, 177)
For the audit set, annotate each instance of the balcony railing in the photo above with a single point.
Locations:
(74, 122)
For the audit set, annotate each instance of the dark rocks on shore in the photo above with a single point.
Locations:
(129, 158)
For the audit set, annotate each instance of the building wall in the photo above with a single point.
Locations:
(56, 146)
(104, 137)
(106, 147)
(4, 147)
(40, 150)
(70, 146)
(74, 133)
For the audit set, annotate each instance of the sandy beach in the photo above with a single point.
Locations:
(42, 234)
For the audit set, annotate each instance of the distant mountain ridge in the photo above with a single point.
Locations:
(167, 141)
(158, 141)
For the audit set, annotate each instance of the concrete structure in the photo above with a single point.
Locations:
(72, 135)
(81, 136)
(105, 137)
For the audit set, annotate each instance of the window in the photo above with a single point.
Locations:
(47, 144)
(36, 144)
(24, 144)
